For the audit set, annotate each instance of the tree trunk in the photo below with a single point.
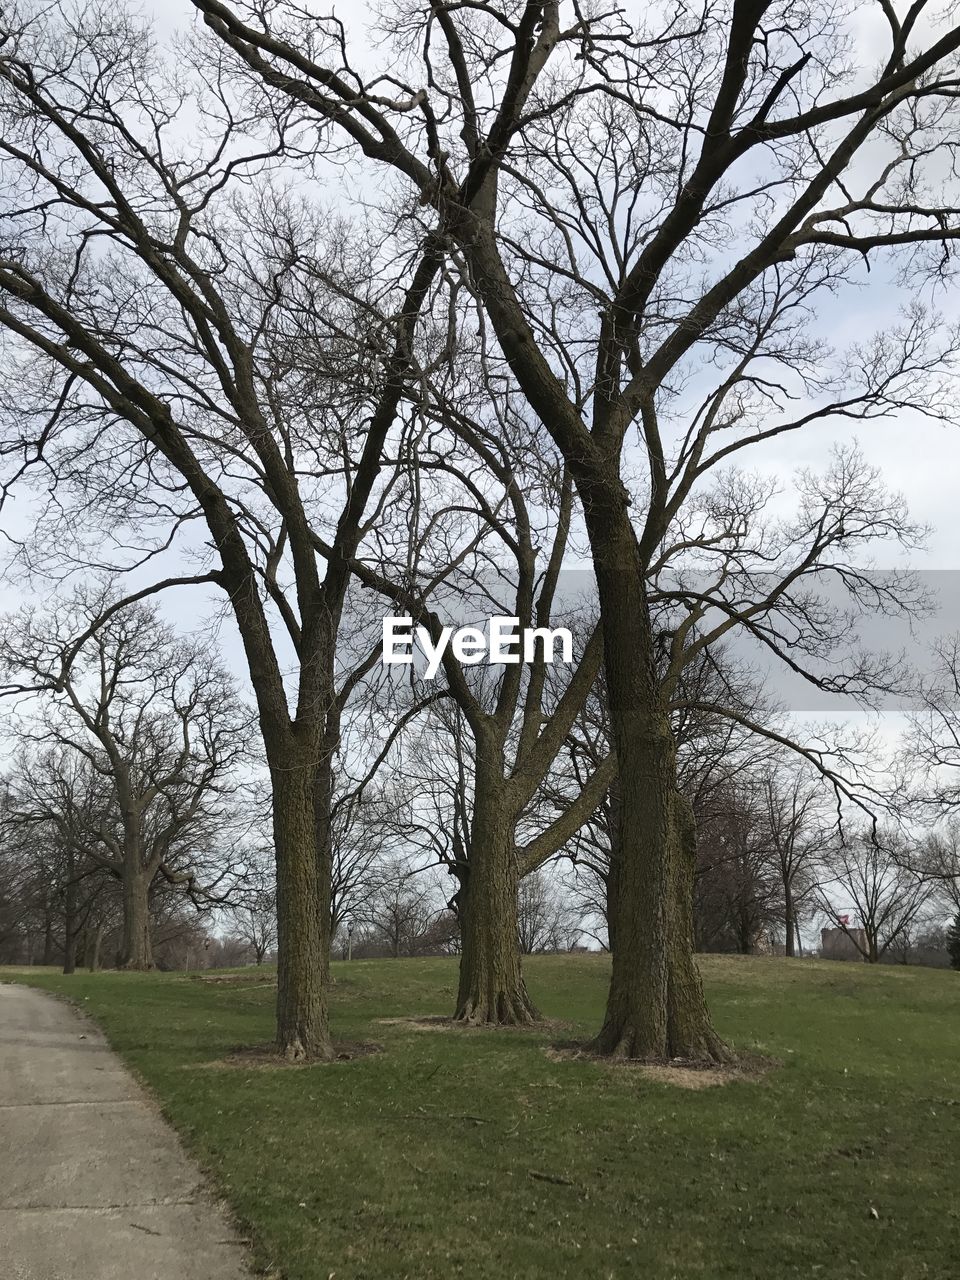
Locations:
(303, 908)
(136, 947)
(744, 933)
(655, 1007)
(70, 927)
(688, 1024)
(613, 868)
(492, 989)
(93, 957)
(790, 922)
(48, 939)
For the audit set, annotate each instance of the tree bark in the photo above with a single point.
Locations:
(70, 928)
(744, 934)
(492, 989)
(613, 868)
(688, 1024)
(655, 1007)
(303, 909)
(93, 953)
(48, 939)
(136, 947)
(790, 922)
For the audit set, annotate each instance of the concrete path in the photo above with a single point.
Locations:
(93, 1183)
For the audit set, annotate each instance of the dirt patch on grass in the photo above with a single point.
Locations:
(680, 1073)
(264, 1056)
(435, 1023)
(441, 1022)
(689, 1077)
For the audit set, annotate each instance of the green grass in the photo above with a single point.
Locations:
(417, 1162)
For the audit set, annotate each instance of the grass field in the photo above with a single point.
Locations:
(482, 1154)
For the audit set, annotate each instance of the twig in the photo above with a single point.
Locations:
(550, 1177)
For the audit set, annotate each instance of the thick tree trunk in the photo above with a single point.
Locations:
(655, 1006)
(688, 1024)
(613, 868)
(136, 947)
(303, 910)
(492, 989)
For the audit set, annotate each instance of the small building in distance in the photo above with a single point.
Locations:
(843, 944)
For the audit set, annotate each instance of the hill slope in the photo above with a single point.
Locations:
(489, 1154)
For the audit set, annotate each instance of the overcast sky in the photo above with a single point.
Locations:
(923, 464)
(921, 461)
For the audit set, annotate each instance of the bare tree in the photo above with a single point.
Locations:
(736, 892)
(870, 872)
(14, 901)
(400, 910)
(938, 859)
(494, 539)
(547, 921)
(455, 788)
(197, 329)
(156, 720)
(56, 802)
(363, 839)
(639, 207)
(254, 914)
(930, 757)
(796, 830)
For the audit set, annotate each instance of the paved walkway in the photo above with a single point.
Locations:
(93, 1183)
